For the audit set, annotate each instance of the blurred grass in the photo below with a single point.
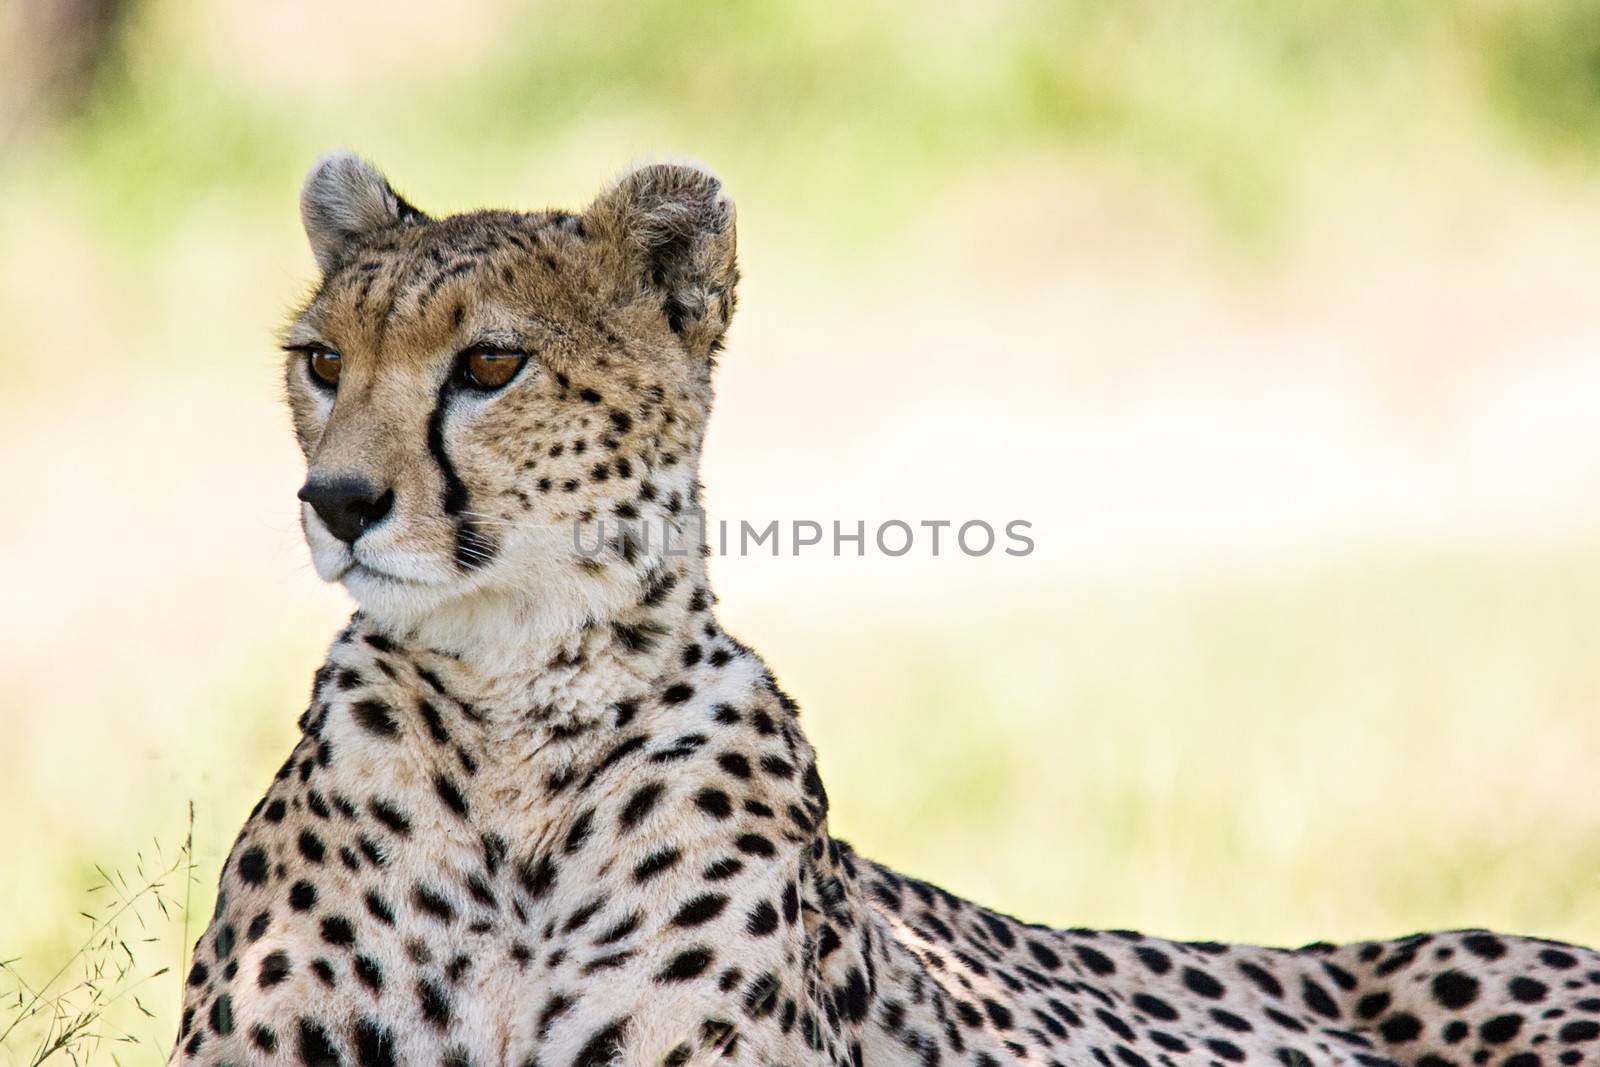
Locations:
(827, 106)
(1396, 736)
(1371, 748)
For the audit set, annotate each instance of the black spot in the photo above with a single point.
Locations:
(1262, 979)
(1455, 990)
(791, 903)
(252, 865)
(372, 850)
(434, 722)
(1226, 1050)
(723, 869)
(1095, 960)
(1373, 1005)
(434, 1002)
(537, 877)
(450, 795)
(604, 1047)
(324, 972)
(855, 996)
(390, 816)
(1398, 962)
(336, 930)
(274, 969)
(374, 1045)
(1201, 983)
(763, 919)
(1500, 1029)
(998, 1013)
(1527, 990)
(578, 834)
(677, 694)
(654, 864)
(620, 930)
(777, 767)
(754, 845)
(375, 717)
(1154, 959)
(582, 915)
(701, 909)
(264, 1038)
(1400, 1028)
(1484, 946)
(686, 965)
(222, 1015)
(639, 805)
(1164, 1040)
(433, 904)
(761, 997)
(310, 846)
(714, 802)
(370, 974)
(1231, 1021)
(1317, 999)
(1561, 961)
(316, 1050)
(302, 896)
(380, 909)
(1582, 1030)
(1154, 1007)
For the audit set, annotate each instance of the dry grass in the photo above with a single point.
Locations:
(84, 1010)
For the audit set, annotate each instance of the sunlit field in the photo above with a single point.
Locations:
(1276, 322)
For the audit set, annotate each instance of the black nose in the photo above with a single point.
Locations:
(348, 505)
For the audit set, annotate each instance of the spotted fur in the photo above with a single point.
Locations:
(546, 812)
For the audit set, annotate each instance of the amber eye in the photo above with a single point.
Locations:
(490, 368)
(324, 365)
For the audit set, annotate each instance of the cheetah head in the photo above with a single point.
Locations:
(476, 394)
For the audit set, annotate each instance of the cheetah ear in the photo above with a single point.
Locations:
(673, 229)
(345, 198)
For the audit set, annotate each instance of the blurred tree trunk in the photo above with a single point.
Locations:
(51, 55)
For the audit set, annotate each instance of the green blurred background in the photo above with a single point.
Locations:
(1277, 320)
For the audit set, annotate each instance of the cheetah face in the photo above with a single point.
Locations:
(475, 394)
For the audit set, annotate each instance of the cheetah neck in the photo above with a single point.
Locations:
(525, 673)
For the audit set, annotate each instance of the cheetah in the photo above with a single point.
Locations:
(546, 812)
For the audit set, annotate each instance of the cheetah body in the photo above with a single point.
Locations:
(546, 811)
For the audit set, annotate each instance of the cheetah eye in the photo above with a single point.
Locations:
(323, 363)
(487, 369)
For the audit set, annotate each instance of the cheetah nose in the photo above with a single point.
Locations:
(348, 505)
